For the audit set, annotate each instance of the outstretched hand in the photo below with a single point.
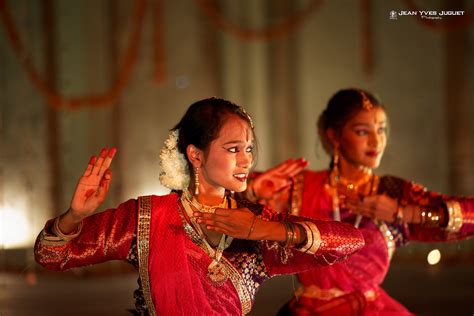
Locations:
(93, 186)
(275, 179)
(235, 222)
(380, 207)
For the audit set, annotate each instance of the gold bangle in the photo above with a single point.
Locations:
(66, 237)
(313, 238)
(252, 226)
(455, 219)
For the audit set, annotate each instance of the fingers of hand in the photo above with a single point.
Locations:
(89, 167)
(103, 161)
(296, 167)
(99, 161)
(107, 161)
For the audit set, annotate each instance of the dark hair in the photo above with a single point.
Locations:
(342, 106)
(203, 120)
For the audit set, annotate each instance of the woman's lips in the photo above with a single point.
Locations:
(373, 154)
(241, 177)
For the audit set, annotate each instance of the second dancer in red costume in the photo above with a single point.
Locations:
(353, 130)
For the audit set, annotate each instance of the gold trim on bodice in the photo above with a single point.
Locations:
(229, 270)
(143, 243)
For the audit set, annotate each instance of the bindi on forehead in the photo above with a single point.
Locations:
(369, 117)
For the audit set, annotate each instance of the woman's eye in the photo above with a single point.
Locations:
(361, 133)
(382, 130)
(249, 149)
(232, 149)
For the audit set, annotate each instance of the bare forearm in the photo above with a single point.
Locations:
(68, 222)
(276, 231)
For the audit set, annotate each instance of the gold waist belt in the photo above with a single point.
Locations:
(314, 291)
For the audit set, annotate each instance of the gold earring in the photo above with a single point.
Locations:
(335, 158)
(335, 161)
(196, 181)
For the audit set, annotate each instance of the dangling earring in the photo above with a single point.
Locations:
(196, 181)
(335, 161)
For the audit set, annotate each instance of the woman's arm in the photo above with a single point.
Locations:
(291, 244)
(421, 214)
(102, 237)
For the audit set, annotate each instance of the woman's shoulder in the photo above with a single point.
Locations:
(315, 175)
(162, 200)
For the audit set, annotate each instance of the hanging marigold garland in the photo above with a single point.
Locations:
(53, 98)
(449, 24)
(272, 32)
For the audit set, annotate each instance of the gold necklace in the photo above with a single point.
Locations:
(216, 271)
(338, 184)
(201, 207)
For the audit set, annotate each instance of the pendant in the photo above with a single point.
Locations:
(217, 273)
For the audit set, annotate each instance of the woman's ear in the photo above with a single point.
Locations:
(195, 156)
(333, 137)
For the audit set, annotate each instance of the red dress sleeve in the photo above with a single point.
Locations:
(456, 213)
(104, 236)
(337, 242)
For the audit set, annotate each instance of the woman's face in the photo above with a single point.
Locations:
(229, 158)
(363, 138)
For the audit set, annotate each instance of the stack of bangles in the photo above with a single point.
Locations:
(310, 240)
(291, 235)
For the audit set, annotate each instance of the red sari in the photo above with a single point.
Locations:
(172, 262)
(352, 287)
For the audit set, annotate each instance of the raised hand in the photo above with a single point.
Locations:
(275, 179)
(93, 186)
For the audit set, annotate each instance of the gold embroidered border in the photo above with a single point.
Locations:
(315, 292)
(231, 272)
(239, 285)
(143, 234)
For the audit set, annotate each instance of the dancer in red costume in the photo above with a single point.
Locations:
(198, 251)
(389, 211)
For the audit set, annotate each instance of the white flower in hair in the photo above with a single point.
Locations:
(174, 168)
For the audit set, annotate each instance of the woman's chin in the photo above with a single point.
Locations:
(238, 188)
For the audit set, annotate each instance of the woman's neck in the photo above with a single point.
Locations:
(209, 197)
(353, 172)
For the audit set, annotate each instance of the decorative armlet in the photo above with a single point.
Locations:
(455, 220)
(65, 237)
(313, 238)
